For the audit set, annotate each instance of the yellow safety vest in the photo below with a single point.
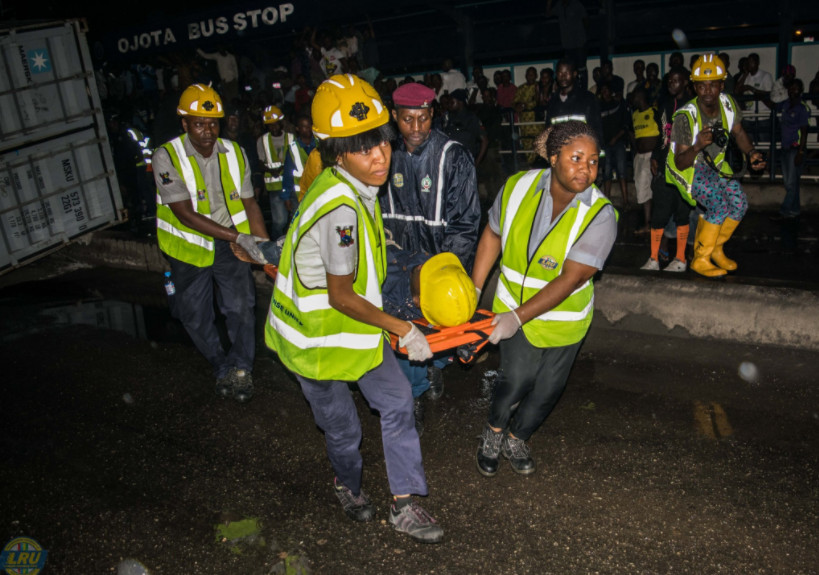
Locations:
(312, 338)
(521, 277)
(184, 243)
(683, 179)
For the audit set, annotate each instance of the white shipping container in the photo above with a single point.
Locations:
(57, 179)
(45, 74)
(54, 191)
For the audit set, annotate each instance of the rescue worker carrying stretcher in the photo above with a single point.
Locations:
(325, 320)
(205, 201)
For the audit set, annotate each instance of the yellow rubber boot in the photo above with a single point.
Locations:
(718, 256)
(704, 243)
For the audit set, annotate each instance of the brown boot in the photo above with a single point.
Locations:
(718, 256)
(703, 248)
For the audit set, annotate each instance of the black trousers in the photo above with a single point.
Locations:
(533, 378)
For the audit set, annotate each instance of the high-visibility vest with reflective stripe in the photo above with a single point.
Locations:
(299, 160)
(184, 243)
(313, 339)
(683, 179)
(521, 277)
(273, 160)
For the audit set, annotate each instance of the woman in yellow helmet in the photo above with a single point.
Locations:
(326, 320)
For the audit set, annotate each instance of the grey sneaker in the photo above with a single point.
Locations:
(242, 385)
(675, 266)
(357, 507)
(413, 520)
(436, 382)
(651, 265)
(517, 452)
(488, 451)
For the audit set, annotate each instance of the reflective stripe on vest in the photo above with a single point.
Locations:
(180, 241)
(683, 179)
(312, 338)
(438, 220)
(299, 158)
(522, 278)
(273, 160)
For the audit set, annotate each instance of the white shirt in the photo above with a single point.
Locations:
(321, 250)
(451, 81)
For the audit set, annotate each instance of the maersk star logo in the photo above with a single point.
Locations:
(39, 61)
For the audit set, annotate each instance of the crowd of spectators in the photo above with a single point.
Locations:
(476, 111)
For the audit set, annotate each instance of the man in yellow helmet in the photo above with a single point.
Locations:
(271, 148)
(696, 164)
(205, 201)
(326, 320)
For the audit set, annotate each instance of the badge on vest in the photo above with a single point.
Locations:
(346, 236)
(200, 195)
(426, 183)
(234, 195)
(166, 178)
(398, 180)
(548, 263)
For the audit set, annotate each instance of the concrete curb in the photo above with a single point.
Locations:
(710, 309)
(703, 309)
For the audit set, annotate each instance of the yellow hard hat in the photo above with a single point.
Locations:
(447, 295)
(272, 114)
(200, 100)
(708, 67)
(346, 105)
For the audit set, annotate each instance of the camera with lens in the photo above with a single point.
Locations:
(720, 136)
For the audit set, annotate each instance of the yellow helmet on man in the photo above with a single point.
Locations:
(272, 114)
(346, 105)
(708, 67)
(200, 100)
(447, 295)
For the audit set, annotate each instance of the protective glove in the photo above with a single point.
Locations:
(271, 250)
(248, 242)
(506, 325)
(416, 344)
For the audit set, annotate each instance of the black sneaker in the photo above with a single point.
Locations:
(418, 412)
(415, 522)
(517, 452)
(242, 385)
(436, 382)
(488, 451)
(357, 507)
(224, 385)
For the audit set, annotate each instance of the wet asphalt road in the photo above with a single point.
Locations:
(658, 459)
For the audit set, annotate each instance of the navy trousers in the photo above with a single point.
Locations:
(193, 305)
(388, 391)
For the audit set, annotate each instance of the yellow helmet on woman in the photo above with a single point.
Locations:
(447, 296)
(200, 100)
(708, 67)
(346, 105)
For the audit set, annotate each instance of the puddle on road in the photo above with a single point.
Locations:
(151, 323)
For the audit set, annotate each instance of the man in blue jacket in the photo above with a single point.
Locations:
(431, 203)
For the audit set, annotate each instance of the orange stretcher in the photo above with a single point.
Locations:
(465, 340)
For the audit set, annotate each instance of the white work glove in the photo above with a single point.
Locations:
(506, 325)
(248, 242)
(416, 344)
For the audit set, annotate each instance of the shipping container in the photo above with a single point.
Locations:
(57, 180)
